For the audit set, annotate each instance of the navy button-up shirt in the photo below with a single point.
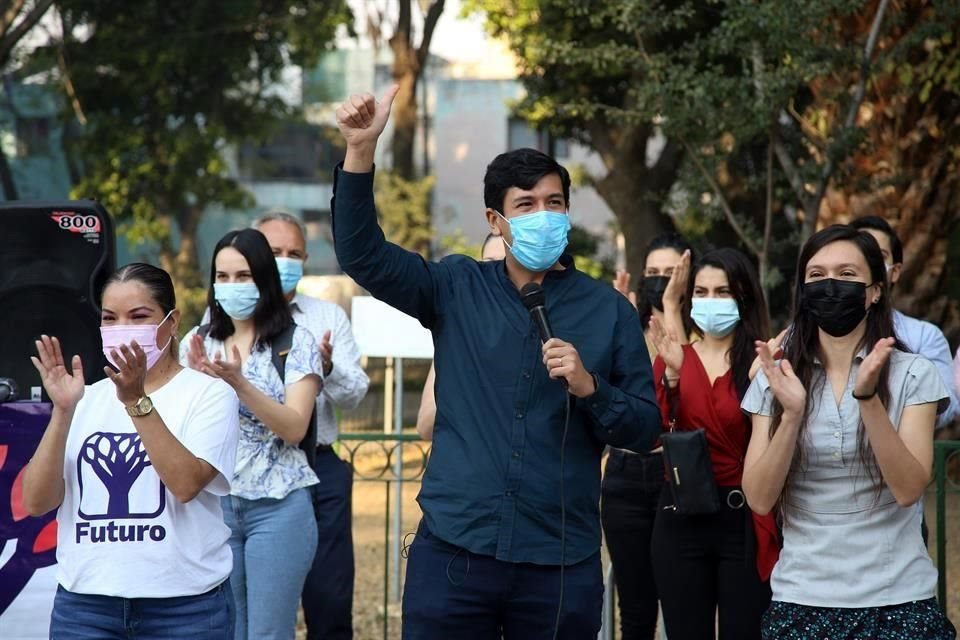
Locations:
(492, 485)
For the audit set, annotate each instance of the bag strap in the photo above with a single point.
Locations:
(672, 401)
(203, 330)
(280, 349)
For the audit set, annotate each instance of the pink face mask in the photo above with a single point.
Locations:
(144, 335)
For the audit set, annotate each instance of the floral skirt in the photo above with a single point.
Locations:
(921, 620)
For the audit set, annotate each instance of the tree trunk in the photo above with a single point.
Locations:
(404, 118)
(186, 272)
(637, 207)
(6, 178)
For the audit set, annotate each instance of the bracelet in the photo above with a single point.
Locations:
(864, 397)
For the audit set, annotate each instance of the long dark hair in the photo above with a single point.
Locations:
(673, 241)
(751, 303)
(803, 349)
(272, 313)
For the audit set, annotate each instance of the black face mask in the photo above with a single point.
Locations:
(836, 306)
(652, 290)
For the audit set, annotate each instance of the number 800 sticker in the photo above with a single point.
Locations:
(75, 223)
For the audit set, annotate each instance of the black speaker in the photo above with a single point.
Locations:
(55, 258)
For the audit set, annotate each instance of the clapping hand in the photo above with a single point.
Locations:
(868, 375)
(64, 386)
(229, 370)
(131, 373)
(784, 383)
(775, 346)
(622, 284)
(677, 285)
(668, 347)
(326, 354)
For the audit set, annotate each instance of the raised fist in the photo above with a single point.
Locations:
(361, 118)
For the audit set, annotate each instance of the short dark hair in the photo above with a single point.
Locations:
(272, 313)
(156, 280)
(876, 223)
(520, 168)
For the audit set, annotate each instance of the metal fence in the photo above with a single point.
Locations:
(945, 456)
(404, 459)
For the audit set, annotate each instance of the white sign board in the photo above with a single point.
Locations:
(383, 332)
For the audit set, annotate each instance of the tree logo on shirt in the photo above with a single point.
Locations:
(113, 486)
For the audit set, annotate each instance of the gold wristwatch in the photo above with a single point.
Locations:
(143, 407)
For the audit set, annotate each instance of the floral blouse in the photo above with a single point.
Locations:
(268, 467)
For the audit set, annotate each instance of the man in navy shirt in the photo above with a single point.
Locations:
(511, 528)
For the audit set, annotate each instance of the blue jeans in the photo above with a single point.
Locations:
(328, 591)
(78, 616)
(452, 593)
(273, 543)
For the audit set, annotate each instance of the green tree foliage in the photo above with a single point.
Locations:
(164, 86)
(404, 209)
(760, 104)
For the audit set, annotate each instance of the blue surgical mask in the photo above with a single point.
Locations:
(238, 299)
(291, 270)
(716, 317)
(538, 238)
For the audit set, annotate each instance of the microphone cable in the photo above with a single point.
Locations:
(563, 512)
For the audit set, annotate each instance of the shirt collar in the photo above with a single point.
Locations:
(295, 303)
(566, 261)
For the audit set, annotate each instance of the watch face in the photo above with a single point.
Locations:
(143, 406)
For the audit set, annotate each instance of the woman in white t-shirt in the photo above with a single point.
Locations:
(135, 465)
(842, 444)
(269, 511)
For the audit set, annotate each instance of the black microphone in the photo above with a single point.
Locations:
(8, 390)
(535, 300)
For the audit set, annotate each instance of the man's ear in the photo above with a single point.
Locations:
(894, 274)
(494, 220)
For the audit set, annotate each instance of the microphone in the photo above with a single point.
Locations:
(535, 300)
(8, 390)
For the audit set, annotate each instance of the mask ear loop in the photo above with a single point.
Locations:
(503, 238)
(165, 318)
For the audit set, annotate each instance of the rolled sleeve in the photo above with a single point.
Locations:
(758, 400)
(923, 383)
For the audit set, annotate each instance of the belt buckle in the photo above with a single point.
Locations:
(738, 500)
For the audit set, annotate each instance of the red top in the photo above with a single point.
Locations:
(715, 408)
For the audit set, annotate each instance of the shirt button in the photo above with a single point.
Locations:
(519, 415)
(525, 375)
(836, 454)
(516, 454)
(509, 494)
(836, 434)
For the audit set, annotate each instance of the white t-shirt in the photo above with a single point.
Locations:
(120, 531)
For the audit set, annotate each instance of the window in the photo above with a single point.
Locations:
(521, 135)
(33, 136)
